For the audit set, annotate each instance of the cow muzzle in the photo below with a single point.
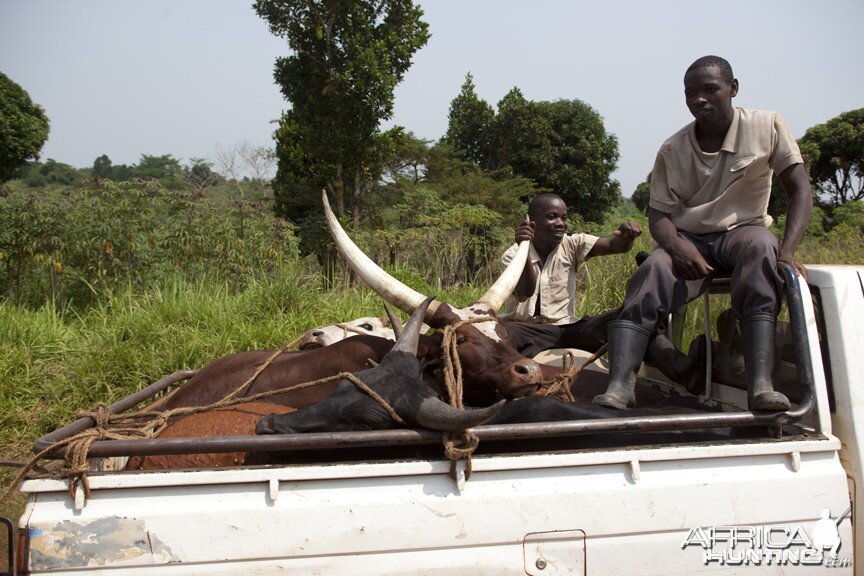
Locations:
(524, 378)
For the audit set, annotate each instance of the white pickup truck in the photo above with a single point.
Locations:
(724, 491)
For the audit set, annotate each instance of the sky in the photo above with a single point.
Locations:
(193, 77)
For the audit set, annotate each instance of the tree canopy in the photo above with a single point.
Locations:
(23, 128)
(835, 151)
(347, 59)
(561, 145)
(470, 124)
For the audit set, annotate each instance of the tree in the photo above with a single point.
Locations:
(199, 175)
(348, 58)
(102, 167)
(164, 167)
(410, 158)
(582, 160)
(836, 153)
(519, 141)
(642, 194)
(851, 214)
(248, 167)
(562, 146)
(51, 172)
(469, 127)
(23, 128)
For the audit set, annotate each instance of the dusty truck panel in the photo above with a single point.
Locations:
(840, 291)
(733, 501)
(378, 513)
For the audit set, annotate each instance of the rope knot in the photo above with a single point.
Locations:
(99, 414)
(458, 446)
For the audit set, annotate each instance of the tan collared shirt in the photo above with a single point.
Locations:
(556, 282)
(715, 192)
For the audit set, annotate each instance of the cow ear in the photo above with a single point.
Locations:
(429, 346)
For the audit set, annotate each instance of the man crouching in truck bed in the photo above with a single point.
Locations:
(708, 214)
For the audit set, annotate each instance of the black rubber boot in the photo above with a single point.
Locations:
(662, 354)
(627, 344)
(685, 369)
(757, 336)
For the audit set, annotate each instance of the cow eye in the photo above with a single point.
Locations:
(460, 340)
(366, 326)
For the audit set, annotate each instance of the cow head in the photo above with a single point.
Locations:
(491, 366)
(397, 381)
(326, 335)
(389, 328)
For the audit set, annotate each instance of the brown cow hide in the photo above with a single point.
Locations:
(239, 420)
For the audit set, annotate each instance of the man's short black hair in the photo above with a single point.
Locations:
(716, 61)
(538, 201)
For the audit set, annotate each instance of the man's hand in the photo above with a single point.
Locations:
(688, 262)
(619, 242)
(628, 229)
(796, 265)
(525, 230)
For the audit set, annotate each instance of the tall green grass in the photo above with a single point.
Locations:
(54, 363)
(55, 360)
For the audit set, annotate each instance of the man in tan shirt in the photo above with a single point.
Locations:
(708, 214)
(541, 312)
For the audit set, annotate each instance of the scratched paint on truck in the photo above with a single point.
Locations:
(103, 542)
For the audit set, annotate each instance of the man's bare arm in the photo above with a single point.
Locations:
(621, 240)
(797, 186)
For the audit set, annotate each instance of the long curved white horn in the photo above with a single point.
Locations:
(384, 284)
(506, 283)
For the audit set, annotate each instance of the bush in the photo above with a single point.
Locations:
(69, 245)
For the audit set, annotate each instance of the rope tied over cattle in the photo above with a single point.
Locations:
(561, 383)
(457, 445)
(462, 445)
(149, 424)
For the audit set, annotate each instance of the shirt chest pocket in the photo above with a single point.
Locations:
(744, 167)
(558, 286)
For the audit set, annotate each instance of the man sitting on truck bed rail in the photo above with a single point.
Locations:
(708, 215)
(540, 314)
